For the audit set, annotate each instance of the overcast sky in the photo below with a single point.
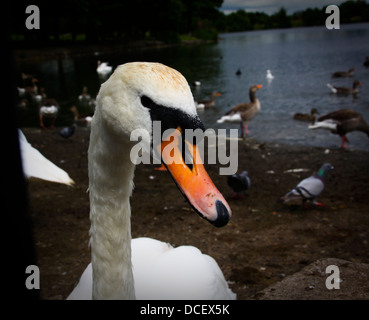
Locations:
(272, 6)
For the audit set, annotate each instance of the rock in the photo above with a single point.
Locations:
(310, 283)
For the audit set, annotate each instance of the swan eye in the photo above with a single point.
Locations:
(147, 102)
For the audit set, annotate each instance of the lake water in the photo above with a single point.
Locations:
(301, 60)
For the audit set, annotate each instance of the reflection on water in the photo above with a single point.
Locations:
(302, 61)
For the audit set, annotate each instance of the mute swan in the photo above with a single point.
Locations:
(133, 97)
(37, 166)
(244, 112)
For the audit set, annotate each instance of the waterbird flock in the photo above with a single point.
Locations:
(96, 282)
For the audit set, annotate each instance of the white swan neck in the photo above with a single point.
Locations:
(111, 182)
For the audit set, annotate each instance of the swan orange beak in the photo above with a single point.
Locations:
(193, 180)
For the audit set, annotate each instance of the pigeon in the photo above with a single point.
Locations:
(239, 183)
(308, 189)
(67, 132)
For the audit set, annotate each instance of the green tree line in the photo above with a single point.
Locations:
(92, 21)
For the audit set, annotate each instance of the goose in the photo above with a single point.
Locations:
(345, 90)
(40, 96)
(134, 96)
(103, 68)
(305, 116)
(340, 74)
(28, 85)
(244, 112)
(341, 122)
(269, 75)
(80, 120)
(84, 98)
(208, 103)
(49, 109)
(35, 165)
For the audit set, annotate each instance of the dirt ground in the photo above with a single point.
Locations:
(263, 243)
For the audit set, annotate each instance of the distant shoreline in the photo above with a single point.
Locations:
(78, 49)
(67, 50)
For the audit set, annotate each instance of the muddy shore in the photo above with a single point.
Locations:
(263, 243)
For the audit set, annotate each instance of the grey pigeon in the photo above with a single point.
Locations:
(67, 132)
(309, 188)
(239, 183)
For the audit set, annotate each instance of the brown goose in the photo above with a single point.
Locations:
(340, 74)
(244, 112)
(342, 122)
(345, 90)
(306, 117)
(208, 103)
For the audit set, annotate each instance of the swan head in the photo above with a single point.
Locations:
(138, 94)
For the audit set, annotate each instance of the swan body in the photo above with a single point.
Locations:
(133, 97)
(162, 272)
(35, 165)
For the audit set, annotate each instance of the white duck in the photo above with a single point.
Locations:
(132, 98)
(35, 165)
(103, 68)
